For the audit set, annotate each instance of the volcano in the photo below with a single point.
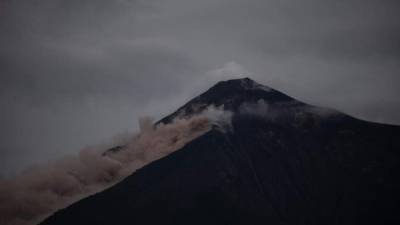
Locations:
(278, 161)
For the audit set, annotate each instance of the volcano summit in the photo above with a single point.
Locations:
(273, 160)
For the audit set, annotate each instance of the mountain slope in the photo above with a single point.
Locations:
(280, 162)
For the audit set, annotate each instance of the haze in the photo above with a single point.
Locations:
(75, 73)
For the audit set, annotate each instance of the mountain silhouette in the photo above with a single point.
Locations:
(280, 161)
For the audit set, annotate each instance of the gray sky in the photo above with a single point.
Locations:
(78, 72)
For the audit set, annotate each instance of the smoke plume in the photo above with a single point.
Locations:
(34, 194)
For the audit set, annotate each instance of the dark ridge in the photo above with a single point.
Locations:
(263, 173)
(302, 167)
(231, 94)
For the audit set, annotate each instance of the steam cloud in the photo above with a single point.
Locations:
(31, 196)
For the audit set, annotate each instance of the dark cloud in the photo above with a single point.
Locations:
(75, 72)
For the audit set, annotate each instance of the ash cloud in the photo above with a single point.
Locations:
(32, 195)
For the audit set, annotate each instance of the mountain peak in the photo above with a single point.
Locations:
(231, 94)
(242, 83)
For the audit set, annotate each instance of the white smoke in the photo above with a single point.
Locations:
(34, 194)
(219, 117)
(274, 112)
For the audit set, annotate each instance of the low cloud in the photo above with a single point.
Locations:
(293, 108)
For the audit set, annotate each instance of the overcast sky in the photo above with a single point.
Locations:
(78, 72)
